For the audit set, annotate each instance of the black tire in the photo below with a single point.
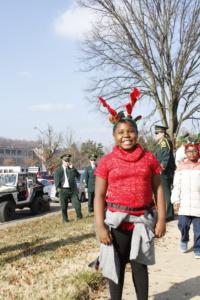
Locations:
(7, 211)
(46, 205)
(39, 206)
(82, 197)
(36, 206)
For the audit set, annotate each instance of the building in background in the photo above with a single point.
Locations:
(18, 156)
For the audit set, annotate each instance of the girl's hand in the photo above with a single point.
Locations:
(160, 229)
(105, 236)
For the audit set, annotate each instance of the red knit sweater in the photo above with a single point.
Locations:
(129, 176)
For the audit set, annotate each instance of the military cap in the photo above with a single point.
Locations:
(92, 156)
(66, 156)
(159, 128)
(183, 138)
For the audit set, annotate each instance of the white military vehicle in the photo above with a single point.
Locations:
(19, 190)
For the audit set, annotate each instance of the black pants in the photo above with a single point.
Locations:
(122, 244)
(65, 195)
(90, 202)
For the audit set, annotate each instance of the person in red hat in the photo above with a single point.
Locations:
(128, 188)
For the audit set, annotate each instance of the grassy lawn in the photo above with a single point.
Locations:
(45, 259)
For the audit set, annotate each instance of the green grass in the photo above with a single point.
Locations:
(45, 259)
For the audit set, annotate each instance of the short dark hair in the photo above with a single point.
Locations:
(126, 120)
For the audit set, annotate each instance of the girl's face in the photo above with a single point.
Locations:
(192, 153)
(125, 136)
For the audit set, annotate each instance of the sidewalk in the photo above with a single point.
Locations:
(175, 276)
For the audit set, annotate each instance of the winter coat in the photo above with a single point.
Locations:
(186, 189)
(90, 178)
(59, 178)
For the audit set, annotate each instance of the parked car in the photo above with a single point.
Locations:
(54, 196)
(82, 190)
(44, 175)
(47, 186)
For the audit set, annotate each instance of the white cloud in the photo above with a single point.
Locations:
(74, 22)
(51, 107)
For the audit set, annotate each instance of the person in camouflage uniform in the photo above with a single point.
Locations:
(165, 156)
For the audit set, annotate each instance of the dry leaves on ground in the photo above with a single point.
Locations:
(45, 259)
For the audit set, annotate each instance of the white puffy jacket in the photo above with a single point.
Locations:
(186, 189)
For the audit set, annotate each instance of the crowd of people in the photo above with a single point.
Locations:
(133, 193)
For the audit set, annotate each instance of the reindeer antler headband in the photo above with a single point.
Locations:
(115, 117)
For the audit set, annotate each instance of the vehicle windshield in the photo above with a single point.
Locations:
(9, 179)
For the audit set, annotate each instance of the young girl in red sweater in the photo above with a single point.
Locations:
(125, 214)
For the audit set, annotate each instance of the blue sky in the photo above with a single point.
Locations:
(40, 82)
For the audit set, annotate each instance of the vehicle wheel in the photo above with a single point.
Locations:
(45, 205)
(7, 211)
(36, 206)
(39, 206)
(82, 197)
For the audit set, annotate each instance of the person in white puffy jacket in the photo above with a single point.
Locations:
(186, 198)
(181, 141)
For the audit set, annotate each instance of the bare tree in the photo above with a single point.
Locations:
(50, 142)
(30, 162)
(153, 44)
(69, 138)
(26, 144)
(90, 147)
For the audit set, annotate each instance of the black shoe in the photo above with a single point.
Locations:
(79, 218)
(65, 221)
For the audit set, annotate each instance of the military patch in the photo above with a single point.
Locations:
(163, 144)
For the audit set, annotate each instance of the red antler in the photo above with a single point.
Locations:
(110, 109)
(135, 94)
(134, 97)
(138, 118)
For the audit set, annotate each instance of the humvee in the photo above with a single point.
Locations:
(20, 190)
